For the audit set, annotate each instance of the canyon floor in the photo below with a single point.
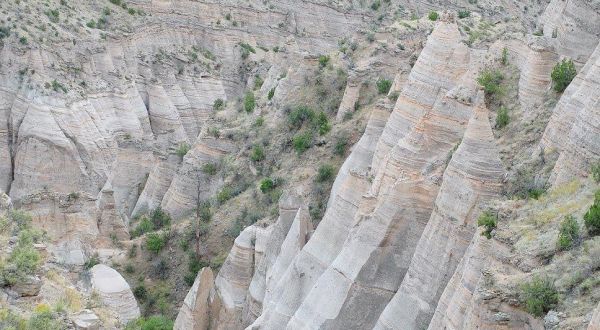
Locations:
(384, 164)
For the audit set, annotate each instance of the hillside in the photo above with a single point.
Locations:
(299, 164)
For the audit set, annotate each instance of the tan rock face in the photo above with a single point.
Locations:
(471, 179)
(398, 246)
(573, 127)
(194, 314)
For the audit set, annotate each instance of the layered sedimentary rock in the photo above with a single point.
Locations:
(114, 292)
(575, 123)
(194, 314)
(367, 265)
(109, 114)
(472, 178)
(572, 26)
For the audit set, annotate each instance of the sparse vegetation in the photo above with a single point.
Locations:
(183, 149)
(502, 119)
(266, 185)
(325, 173)
(383, 86)
(249, 102)
(341, 145)
(246, 50)
(596, 172)
(155, 242)
(562, 74)
(539, 295)
(490, 80)
(323, 61)
(299, 116)
(504, 57)
(154, 322)
(592, 216)
(271, 93)
(321, 123)
(209, 168)
(258, 153)
(568, 233)
(463, 14)
(92, 261)
(218, 104)
(487, 220)
(302, 142)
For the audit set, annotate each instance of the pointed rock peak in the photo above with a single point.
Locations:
(478, 150)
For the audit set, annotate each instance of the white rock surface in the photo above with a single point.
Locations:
(115, 293)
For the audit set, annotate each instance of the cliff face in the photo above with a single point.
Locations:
(103, 117)
(398, 246)
(110, 112)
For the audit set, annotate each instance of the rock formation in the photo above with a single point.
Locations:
(114, 292)
(103, 121)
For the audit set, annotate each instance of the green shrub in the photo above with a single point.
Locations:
(323, 61)
(209, 168)
(267, 184)
(592, 216)
(249, 102)
(4, 32)
(140, 292)
(131, 11)
(259, 122)
(299, 116)
(43, 319)
(463, 14)
(24, 259)
(504, 58)
(325, 173)
(145, 226)
(258, 153)
(56, 86)
(321, 122)
(596, 171)
(302, 142)
(383, 86)
(568, 233)
(375, 5)
(246, 49)
(92, 261)
(21, 218)
(502, 119)
(539, 295)
(271, 93)
(490, 81)
(562, 74)
(91, 24)
(341, 145)
(218, 104)
(183, 149)
(160, 218)
(258, 82)
(433, 16)
(53, 15)
(156, 242)
(154, 322)
(115, 2)
(488, 221)
(224, 194)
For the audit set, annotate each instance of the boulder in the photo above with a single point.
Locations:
(86, 320)
(114, 292)
(28, 287)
